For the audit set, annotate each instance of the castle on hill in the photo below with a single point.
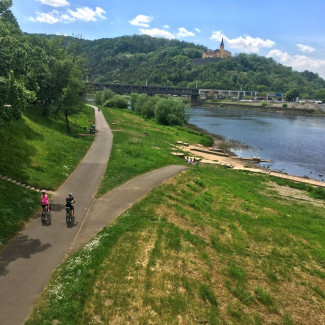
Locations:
(220, 53)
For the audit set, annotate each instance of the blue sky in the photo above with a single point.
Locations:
(290, 31)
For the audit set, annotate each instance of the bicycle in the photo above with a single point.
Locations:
(68, 215)
(46, 215)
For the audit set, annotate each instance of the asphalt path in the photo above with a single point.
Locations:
(28, 261)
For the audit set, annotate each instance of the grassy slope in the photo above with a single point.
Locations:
(140, 146)
(37, 151)
(211, 245)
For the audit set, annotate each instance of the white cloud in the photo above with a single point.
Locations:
(305, 48)
(198, 30)
(87, 14)
(155, 32)
(141, 20)
(55, 3)
(183, 32)
(299, 62)
(245, 44)
(48, 18)
(166, 26)
(84, 14)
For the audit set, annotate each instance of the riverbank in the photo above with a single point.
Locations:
(292, 108)
(239, 163)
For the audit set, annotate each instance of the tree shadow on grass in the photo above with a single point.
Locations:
(21, 247)
(17, 150)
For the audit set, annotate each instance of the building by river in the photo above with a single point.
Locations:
(219, 53)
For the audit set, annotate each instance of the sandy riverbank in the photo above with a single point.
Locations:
(239, 164)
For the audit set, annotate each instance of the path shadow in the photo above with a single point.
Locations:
(21, 247)
(57, 206)
(72, 224)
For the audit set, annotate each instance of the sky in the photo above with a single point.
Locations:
(292, 32)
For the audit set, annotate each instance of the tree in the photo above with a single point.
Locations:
(320, 95)
(292, 94)
(13, 98)
(71, 101)
(170, 111)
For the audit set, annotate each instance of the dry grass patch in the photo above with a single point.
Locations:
(298, 195)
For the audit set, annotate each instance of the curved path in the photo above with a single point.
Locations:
(28, 261)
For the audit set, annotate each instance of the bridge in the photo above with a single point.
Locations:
(149, 90)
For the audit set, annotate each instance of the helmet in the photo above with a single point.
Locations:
(70, 194)
(43, 191)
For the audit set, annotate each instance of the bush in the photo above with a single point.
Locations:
(138, 102)
(170, 111)
(284, 105)
(117, 101)
(264, 103)
(107, 94)
(98, 98)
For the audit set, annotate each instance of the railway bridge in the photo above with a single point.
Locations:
(149, 90)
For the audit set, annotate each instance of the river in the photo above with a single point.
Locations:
(294, 143)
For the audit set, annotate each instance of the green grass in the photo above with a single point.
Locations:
(140, 146)
(17, 205)
(36, 151)
(206, 259)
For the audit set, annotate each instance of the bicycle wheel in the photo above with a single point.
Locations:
(43, 216)
(49, 216)
(68, 216)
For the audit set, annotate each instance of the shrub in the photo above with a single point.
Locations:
(264, 103)
(170, 111)
(98, 98)
(107, 94)
(284, 105)
(117, 101)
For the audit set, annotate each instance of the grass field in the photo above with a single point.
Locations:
(140, 146)
(37, 151)
(209, 246)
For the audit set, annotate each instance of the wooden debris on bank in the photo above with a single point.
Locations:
(211, 152)
(182, 143)
(178, 154)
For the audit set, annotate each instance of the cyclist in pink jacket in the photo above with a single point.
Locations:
(45, 201)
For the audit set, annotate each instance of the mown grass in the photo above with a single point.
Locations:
(140, 146)
(37, 151)
(210, 246)
(17, 205)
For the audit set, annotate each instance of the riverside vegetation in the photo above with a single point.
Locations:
(36, 150)
(211, 245)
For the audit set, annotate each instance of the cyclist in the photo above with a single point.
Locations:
(68, 203)
(45, 201)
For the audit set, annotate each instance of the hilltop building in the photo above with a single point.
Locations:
(220, 53)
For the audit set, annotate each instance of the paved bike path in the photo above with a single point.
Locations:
(27, 263)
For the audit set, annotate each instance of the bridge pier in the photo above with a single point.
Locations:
(195, 99)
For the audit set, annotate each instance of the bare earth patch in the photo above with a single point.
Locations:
(295, 194)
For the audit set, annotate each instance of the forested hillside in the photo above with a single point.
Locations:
(135, 59)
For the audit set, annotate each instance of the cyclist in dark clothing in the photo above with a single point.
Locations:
(69, 201)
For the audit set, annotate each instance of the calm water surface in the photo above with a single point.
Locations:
(295, 144)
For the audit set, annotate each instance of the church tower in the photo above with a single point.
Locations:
(222, 49)
(222, 46)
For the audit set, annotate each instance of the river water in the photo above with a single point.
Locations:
(295, 144)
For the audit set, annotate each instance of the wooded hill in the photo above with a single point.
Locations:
(135, 59)
(139, 59)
